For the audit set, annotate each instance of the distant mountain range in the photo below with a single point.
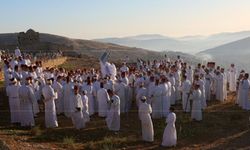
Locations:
(188, 44)
(237, 52)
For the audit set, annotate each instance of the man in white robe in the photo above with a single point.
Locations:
(18, 52)
(219, 86)
(124, 78)
(196, 113)
(13, 63)
(224, 84)
(239, 100)
(142, 91)
(14, 101)
(102, 99)
(170, 135)
(150, 89)
(85, 103)
(245, 92)
(186, 87)
(50, 107)
(59, 90)
(157, 101)
(177, 77)
(96, 87)
(208, 85)
(138, 82)
(165, 97)
(76, 109)
(27, 97)
(120, 90)
(124, 68)
(190, 74)
(146, 122)
(232, 78)
(35, 87)
(200, 81)
(67, 92)
(113, 115)
(173, 90)
(90, 94)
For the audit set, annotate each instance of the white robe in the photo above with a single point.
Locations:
(113, 116)
(173, 90)
(186, 86)
(146, 122)
(177, 85)
(59, 101)
(67, 93)
(190, 75)
(102, 98)
(121, 91)
(225, 87)
(141, 92)
(239, 95)
(91, 100)
(214, 84)
(77, 115)
(27, 97)
(196, 106)
(157, 102)
(201, 83)
(220, 87)
(245, 94)
(96, 87)
(170, 136)
(232, 79)
(169, 92)
(14, 103)
(35, 106)
(85, 109)
(124, 69)
(13, 63)
(125, 81)
(150, 92)
(18, 52)
(208, 84)
(50, 107)
(165, 99)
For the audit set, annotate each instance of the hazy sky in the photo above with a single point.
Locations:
(107, 18)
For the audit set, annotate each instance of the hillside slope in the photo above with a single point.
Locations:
(50, 42)
(235, 52)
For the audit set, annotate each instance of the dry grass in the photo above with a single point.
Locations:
(36, 131)
(69, 142)
(80, 63)
(55, 62)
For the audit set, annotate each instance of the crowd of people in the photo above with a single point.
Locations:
(154, 87)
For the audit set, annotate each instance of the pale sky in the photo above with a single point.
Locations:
(88, 19)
